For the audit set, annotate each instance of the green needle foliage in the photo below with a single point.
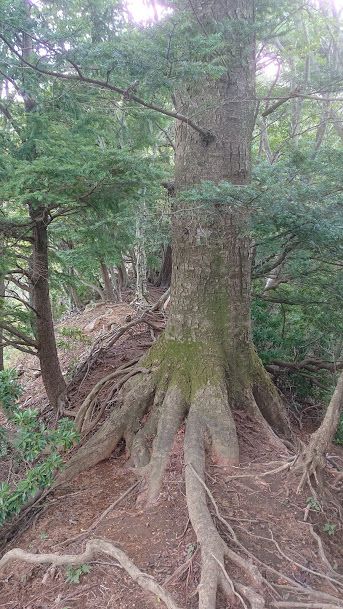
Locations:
(94, 158)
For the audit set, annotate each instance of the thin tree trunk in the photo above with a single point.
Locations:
(76, 302)
(53, 380)
(323, 437)
(114, 272)
(109, 291)
(141, 263)
(313, 459)
(122, 277)
(164, 279)
(2, 295)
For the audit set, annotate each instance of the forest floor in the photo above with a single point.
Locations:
(276, 525)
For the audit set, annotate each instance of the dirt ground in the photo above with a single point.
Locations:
(270, 519)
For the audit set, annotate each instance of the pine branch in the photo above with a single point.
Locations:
(5, 111)
(103, 84)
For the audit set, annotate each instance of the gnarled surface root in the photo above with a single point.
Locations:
(94, 547)
(211, 402)
(312, 460)
(213, 548)
(172, 414)
(187, 382)
(136, 398)
(268, 400)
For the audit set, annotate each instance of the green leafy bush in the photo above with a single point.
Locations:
(10, 390)
(32, 444)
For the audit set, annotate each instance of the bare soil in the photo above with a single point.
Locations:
(159, 539)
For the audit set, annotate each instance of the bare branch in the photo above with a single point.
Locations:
(14, 295)
(5, 111)
(310, 364)
(22, 286)
(15, 332)
(19, 346)
(275, 261)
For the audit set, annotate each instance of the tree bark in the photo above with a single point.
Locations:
(205, 364)
(322, 438)
(75, 300)
(312, 459)
(140, 256)
(122, 277)
(53, 380)
(210, 303)
(109, 291)
(164, 279)
(2, 295)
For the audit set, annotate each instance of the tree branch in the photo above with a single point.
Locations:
(15, 332)
(22, 286)
(277, 260)
(310, 364)
(19, 346)
(5, 111)
(11, 229)
(14, 295)
(206, 135)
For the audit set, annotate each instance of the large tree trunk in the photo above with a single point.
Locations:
(53, 380)
(210, 303)
(205, 363)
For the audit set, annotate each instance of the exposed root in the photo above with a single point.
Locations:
(188, 383)
(337, 580)
(268, 401)
(310, 464)
(94, 547)
(321, 551)
(162, 302)
(302, 605)
(211, 402)
(108, 340)
(173, 412)
(141, 441)
(136, 398)
(213, 548)
(82, 418)
(312, 459)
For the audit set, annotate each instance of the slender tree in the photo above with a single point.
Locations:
(312, 459)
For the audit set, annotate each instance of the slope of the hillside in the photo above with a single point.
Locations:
(284, 533)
